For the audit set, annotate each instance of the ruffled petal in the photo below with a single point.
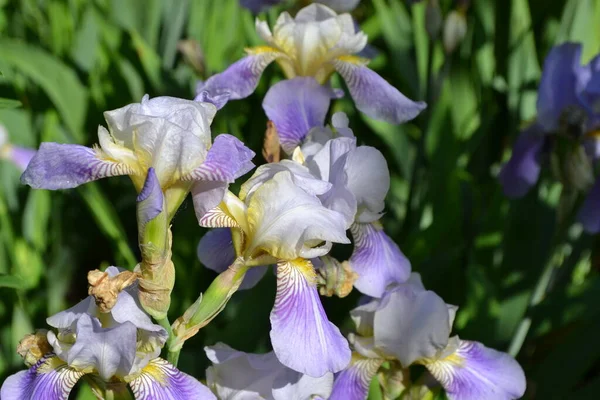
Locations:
(65, 166)
(303, 338)
(411, 324)
(475, 372)
(295, 106)
(293, 385)
(558, 83)
(523, 169)
(49, 379)
(216, 252)
(288, 223)
(160, 380)
(374, 96)
(353, 382)
(241, 78)
(369, 181)
(218, 100)
(376, 259)
(589, 213)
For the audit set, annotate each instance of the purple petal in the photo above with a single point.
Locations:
(216, 252)
(558, 82)
(150, 199)
(20, 156)
(257, 6)
(522, 171)
(353, 382)
(65, 166)
(302, 337)
(376, 259)
(49, 379)
(589, 213)
(374, 96)
(476, 372)
(160, 380)
(295, 106)
(218, 100)
(241, 78)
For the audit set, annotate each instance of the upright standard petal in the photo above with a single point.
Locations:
(295, 106)
(353, 382)
(65, 166)
(241, 78)
(376, 259)
(475, 372)
(303, 338)
(287, 223)
(558, 83)
(49, 379)
(523, 169)
(373, 95)
(589, 213)
(411, 324)
(160, 380)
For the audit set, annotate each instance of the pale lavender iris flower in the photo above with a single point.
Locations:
(412, 325)
(121, 347)
(568, 106)
(315, 43)
(237, 375)
(168, 134)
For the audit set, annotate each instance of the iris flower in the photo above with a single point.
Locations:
(411, 325)
(282, 221)
(170, 135)
(112, 349)
(316, 43)
(568, 109)
(237, 375)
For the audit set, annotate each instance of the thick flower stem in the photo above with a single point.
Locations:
(172, 356)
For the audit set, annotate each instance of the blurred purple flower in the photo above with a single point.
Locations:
(19, 156)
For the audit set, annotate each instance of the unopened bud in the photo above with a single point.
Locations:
(455, 29)
(335, 278)
(33, 347)
(105, 289)
(433, 19)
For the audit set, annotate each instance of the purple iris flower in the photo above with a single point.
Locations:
(412, 325)
(316, 43)
(568, 107)
(118, 347)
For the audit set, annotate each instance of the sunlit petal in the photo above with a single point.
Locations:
(353, 382)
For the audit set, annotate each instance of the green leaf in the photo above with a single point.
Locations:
(12, 281)
(58, 81)
(9, 103)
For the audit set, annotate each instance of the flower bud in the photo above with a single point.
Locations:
(455, 29)
(433, 19)
(335, 278)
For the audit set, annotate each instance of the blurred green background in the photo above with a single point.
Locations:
(67, 61)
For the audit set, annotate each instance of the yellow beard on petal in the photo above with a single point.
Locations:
(305, 267)
(156, 373)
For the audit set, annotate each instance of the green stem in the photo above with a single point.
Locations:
(172, 356)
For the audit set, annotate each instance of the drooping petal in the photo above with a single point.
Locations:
(353, 382)
(49, 379)
(302, 337)
(589, 213)
(295, 106)
(109, 351)
(287, 223)
(238, 375)
(241, 78)
(557, 85)
(150, 200)
(411, 324)
(523, 169)
(160, 380)
(216, 252)
(369, 181)
(218, 100)
(374, 96)
(475, 372)
(65, 166)
(376, 259)
(293, 385)
(299, 173)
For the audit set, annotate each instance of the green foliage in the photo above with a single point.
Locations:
(64, 62)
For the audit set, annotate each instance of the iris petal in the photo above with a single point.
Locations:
(49, 379)
(160, 380)
(353, 382)
(475, 372)
(303, 338)
(65, 166)
(374, 96)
